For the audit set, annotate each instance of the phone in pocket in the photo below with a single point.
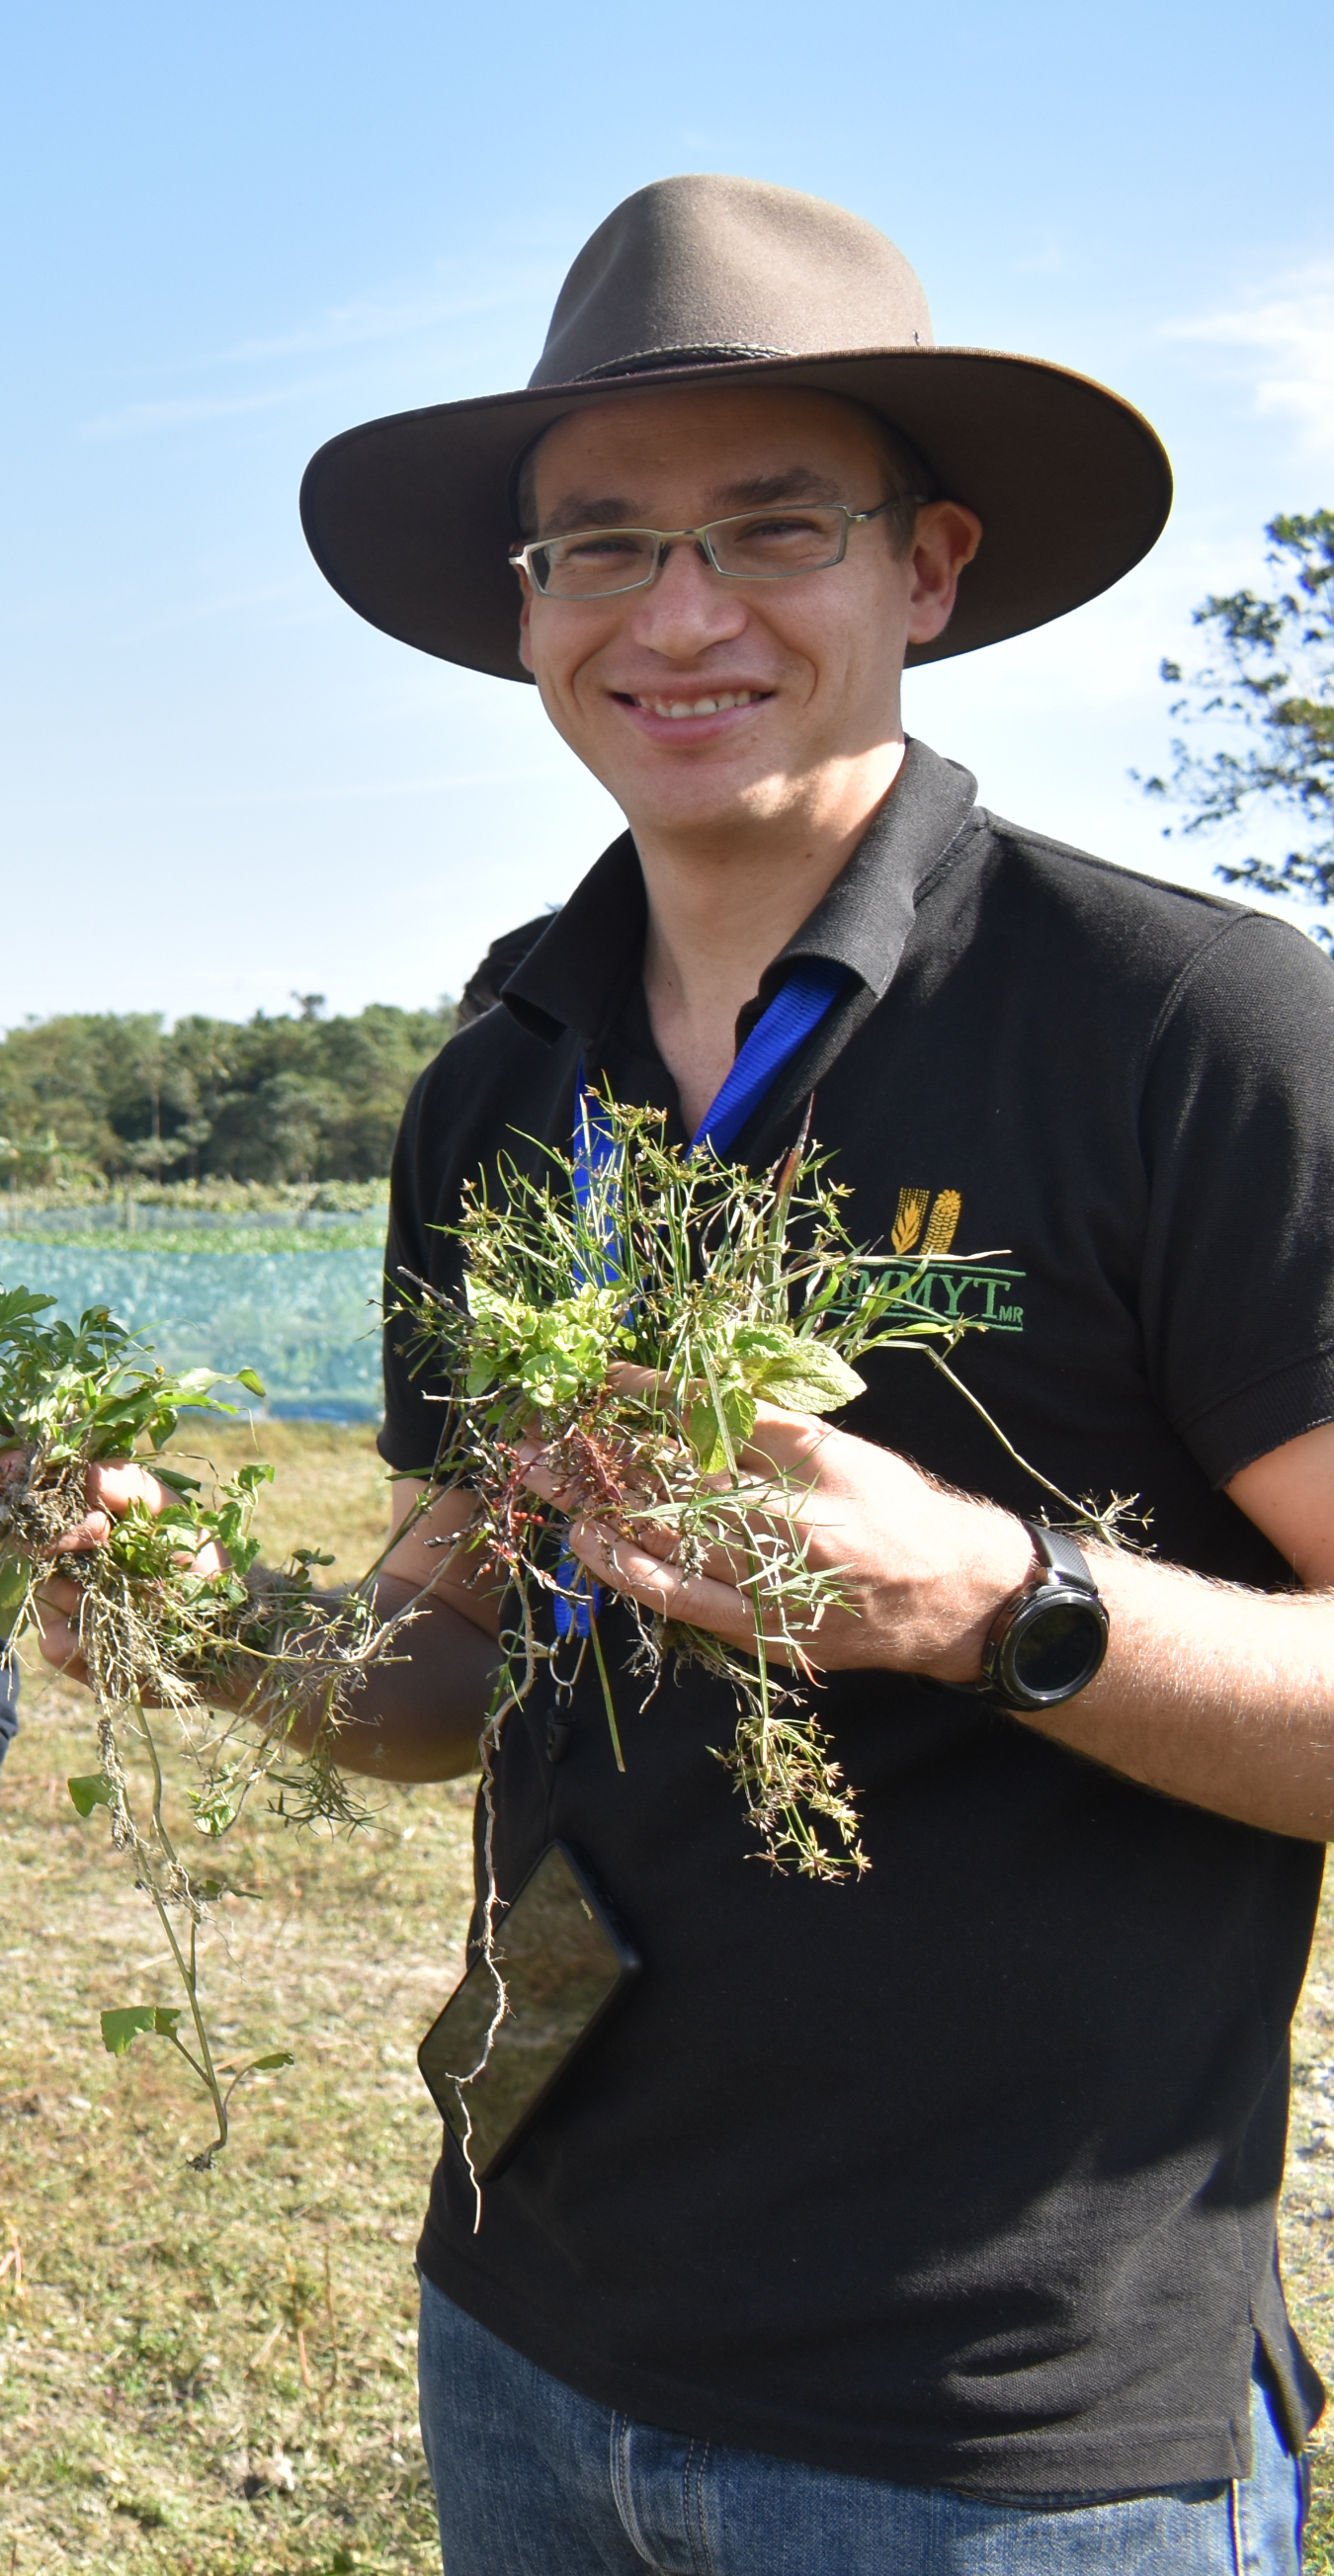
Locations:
(565, 1961)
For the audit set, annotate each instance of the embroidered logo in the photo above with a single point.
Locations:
(953, 1287)
(941, 1224)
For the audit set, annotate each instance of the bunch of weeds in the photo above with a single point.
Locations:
(731, 1290)
(165, 1640)
(722, 1290)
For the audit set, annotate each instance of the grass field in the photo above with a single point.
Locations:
(213, 2374)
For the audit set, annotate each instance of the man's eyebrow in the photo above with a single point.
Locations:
(589, 510)
(796, 483)
(753, 492)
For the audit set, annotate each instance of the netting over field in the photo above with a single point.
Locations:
(306, 1320)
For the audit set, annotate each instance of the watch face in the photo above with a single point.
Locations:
(1055, 1645)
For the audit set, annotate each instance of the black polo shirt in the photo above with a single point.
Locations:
(964, 2174)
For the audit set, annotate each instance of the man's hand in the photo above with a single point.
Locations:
(1210, 1693)
(923, 1571)
(109, 1491)
(419, 1716)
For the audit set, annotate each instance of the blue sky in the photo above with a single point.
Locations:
(232, 232)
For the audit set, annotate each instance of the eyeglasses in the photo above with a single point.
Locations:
(754, 545)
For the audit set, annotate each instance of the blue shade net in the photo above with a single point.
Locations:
(307, 1321)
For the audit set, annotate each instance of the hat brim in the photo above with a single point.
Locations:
(409, 517)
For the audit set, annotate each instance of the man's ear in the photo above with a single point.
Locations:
(525, 616)
(946, 538)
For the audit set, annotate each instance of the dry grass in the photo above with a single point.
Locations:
(1307, 2226)
(212, 2374)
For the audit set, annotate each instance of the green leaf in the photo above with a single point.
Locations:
(267, 2065)
(19, 1306)
(809, 1378)
(248, 1379)
(705, 1437)
(119, 2028)
(131, 2021)
(754, 1344)
(91, 1789)
(15, 1576)
(176, 1483)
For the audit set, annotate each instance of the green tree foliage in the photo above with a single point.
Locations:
(1268, 692)
(281, 1098)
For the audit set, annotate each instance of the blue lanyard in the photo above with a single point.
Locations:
(794, 1012)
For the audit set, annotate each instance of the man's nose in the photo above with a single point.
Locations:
(688, 606)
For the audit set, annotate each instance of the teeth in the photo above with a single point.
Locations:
(697, 706)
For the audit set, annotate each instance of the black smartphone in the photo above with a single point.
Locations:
(565, 1961)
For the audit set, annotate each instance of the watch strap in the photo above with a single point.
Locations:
(1060, 1556)
(1064, 1571)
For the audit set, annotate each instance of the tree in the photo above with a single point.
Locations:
(267, 1099)
(1269, 691)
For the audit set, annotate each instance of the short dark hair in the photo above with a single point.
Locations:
(907, 469)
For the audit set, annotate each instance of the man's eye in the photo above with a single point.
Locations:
(612, 545)
(778, 531)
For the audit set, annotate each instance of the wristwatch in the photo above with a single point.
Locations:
(1048, 1640)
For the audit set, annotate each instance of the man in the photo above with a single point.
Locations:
(926, 2223)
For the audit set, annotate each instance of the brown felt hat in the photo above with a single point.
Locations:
(729, 281)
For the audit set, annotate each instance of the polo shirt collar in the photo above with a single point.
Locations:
(577, 975)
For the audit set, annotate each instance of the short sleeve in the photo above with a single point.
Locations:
(1238, 1138)
(413, 1409)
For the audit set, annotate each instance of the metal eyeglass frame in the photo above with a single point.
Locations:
(663, 538)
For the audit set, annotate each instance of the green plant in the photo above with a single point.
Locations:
(633, 1306)
(729, 1291)
(173, 1615)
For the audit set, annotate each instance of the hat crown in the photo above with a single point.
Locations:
(702, 268)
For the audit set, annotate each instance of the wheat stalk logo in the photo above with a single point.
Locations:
(908, 1217)
(943, 1222)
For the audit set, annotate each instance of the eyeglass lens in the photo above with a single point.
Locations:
(760, 546)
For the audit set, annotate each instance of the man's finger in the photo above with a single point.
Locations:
(92, 1531)
(57, 1632)
(58, 1595)
(629, 1379)
(110, 1487)
(784, 1445)
(115, 1483)
(698, 1599)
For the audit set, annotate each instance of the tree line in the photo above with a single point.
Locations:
(289, 1097)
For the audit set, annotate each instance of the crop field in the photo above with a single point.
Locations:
(213, 2374)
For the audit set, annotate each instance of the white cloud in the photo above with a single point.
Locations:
(182, 411)
(1289, 328)
(494, 292)
(349, 326)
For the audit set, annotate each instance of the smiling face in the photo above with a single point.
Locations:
(705, 704)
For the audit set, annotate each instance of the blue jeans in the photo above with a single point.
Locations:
(533, 2480)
